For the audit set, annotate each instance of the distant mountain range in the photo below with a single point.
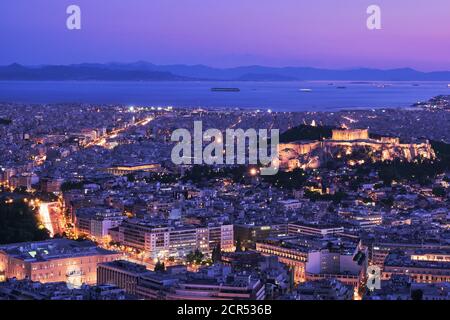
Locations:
(144, 71)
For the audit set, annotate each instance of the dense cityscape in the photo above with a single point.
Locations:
(93, 208)
(224, 159)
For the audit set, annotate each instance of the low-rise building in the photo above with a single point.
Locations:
(55, 260)
(163, 240)
(416, 266)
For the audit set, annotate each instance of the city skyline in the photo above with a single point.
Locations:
(229, 34)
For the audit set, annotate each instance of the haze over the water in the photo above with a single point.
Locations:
(223, 33)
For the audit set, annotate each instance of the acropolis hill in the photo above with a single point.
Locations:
(353, 145)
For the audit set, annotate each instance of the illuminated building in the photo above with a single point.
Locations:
(198, 287)
(25, 180)
(292, 256)
(51, 184)
(291, 204)
(126, 169)
(421, 267)
(235, 287)
(213, 283)
(249, 235)
(97, 221)
(364, 222)
(312, 154)
(346, 264)
(89, 134)
(314, 229)
(315, 258)
(55, 260)
(31, 290)
(121, 273)
(443, 256)
(349, 135)
(162, 240)
(6, 174)
(380, 250)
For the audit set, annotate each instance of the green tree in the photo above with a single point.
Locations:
(238, 245)
(18, 223)
(439, 191)
(195, 257)
(159, 266)
(217, 254)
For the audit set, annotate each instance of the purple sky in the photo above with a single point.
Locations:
(319, 33)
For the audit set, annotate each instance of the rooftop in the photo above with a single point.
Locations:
(53, 249)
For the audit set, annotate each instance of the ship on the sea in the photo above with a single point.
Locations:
(226, 89)
(305, 90)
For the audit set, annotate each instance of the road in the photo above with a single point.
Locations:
(51, 216)
(101, 141)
